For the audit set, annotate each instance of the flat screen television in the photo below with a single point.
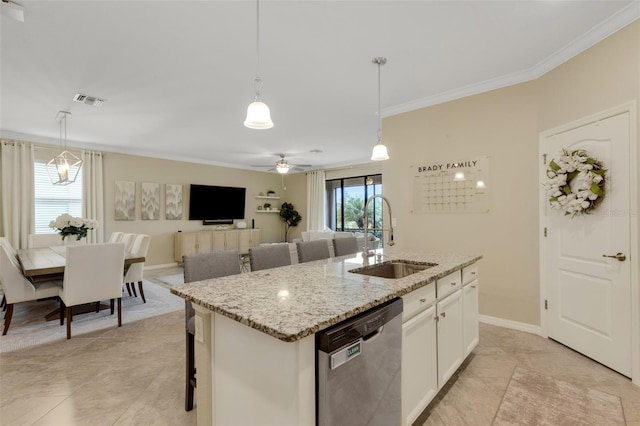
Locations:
(216, 204)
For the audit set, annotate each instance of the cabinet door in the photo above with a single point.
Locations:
(470, 329)
(419, 364)
(231, 240)
(244, 241)
(189, 244)
(450, 353)
(204, 242)
(255, 238)
(218, 240)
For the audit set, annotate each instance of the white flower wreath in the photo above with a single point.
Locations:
(576, 182)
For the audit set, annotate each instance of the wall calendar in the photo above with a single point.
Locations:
(451, 186)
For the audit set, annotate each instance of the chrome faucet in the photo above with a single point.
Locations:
(365, 250)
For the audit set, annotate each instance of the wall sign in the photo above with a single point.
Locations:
(460, 186)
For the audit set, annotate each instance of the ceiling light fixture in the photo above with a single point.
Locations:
(63, 168)
(379, 150)
(282, 166)
(258, 114)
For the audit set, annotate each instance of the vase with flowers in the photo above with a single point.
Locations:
(67, 225)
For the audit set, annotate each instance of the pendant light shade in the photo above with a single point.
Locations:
(63, 169)
(379, 150)
(258, 116)
(258, 113)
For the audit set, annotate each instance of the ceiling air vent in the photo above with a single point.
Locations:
(88, 100)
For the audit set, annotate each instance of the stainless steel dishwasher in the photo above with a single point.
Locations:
(358, 369)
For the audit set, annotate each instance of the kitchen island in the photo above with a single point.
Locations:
(255, 347)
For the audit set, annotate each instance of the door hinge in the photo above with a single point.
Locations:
(544, 159)
(546, 304)
(545, 231)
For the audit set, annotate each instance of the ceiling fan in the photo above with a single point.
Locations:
(282, 166)
(13, 10)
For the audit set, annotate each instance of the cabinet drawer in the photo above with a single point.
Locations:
(417, 301)
(449, 284)
(469, 273)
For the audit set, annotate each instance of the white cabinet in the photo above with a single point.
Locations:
(247, 239)
(419, 364)
(187, 243)
(470, 330)
(450, 352)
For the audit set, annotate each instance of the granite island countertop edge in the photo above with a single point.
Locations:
(217, 303)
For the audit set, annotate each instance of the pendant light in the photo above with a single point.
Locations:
(63, 168)
(258, 114)
(379, 150)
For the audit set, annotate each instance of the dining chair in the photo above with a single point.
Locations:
(198, 267)
(45, 240)
(92, 273)
(344, 246)
(17, 288)
(4, 242)
(269, 256)
(128, 239)
(135, 273)
(116, 236)
(313, 250)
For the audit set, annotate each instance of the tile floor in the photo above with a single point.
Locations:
(135, 375)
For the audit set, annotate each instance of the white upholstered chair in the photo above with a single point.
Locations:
(45, 240)
(19, 289)
(116, 236)
(92, 273)
(269, 256)
(198, 267)
(128, 239)
(136, 270)
(313, 250)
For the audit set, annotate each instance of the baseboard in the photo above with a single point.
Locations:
(165, 265)
(514, 325)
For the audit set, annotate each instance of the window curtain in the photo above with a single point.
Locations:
(93, 193)
(315, 200)
(17, 192)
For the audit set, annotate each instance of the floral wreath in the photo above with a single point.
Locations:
(576, 183)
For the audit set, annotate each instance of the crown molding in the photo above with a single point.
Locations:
(614, 23)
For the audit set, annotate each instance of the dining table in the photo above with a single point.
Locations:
(48, 263)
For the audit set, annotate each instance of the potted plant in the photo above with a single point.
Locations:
(290, 216)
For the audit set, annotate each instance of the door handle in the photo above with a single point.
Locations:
(619, 256)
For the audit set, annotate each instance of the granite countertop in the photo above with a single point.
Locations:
(292, 302)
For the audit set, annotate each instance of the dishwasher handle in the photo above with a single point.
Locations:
(374, 334)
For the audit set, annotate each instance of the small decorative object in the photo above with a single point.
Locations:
(150, 201)
(241, 225)
(173, 202)
(270, 193)
(576, 182)
(290, 216)
(66, 225)
(259, 207)
(267, 206)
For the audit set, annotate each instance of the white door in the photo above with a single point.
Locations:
(589, 295)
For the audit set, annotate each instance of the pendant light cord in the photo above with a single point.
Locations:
(258, 79)
(379, 115)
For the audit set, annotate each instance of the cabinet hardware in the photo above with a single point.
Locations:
(546, 304)
(436, 318)
(545, 232)
(473, 273)
(423, 300)
(444, 314)
(618, 256)
(473, 286)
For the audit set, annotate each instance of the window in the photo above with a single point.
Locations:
(50, 201)
(346, 199)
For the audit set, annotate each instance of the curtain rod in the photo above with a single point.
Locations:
(47, 147)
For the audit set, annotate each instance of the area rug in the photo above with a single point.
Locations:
(535, 399)
(170, 280)
(29, 327)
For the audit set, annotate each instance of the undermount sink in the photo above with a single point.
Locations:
(393, 268)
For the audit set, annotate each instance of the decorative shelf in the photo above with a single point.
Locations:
(264, 197)
(268, 211)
